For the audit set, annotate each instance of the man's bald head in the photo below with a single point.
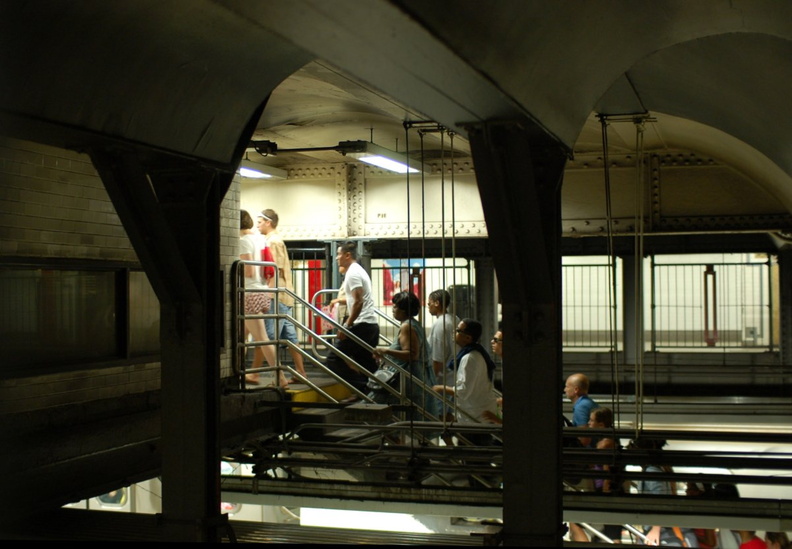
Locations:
(576, 386)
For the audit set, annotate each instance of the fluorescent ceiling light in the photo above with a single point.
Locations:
(375, 155)
(254, 170)
(365, 151)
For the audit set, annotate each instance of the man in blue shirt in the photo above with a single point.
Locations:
(576, 390)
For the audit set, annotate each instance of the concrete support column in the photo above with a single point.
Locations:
(785, 305)
(486, 298)
(631, 312)
(170, 208)
(519, 170)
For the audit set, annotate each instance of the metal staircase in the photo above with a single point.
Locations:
(324, 440)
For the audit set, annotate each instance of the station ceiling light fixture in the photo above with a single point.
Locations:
(373, 154)
(254, 170)
(364, 151)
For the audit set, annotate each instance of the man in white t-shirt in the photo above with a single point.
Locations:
(362, 320)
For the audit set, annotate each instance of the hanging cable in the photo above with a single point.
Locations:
(612, 317)
(425, 127)
(425, 398)
(423, 216)
(444, 369)
(638, 283)
(444, 262)
(443, 377)
(409, 385)
(453, 238)
(453, 225)
(638, 251)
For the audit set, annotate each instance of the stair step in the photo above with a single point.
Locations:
(348, 432)
(356, 413)
(368, 412)
(300, 416)
(318, 415)
(301, 392)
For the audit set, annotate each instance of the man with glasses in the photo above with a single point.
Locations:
(472, 390)
(496, 343)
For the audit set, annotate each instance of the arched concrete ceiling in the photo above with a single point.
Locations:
(186, 76)
(713, 73)
(725, 67)
(737, 83)
(318, 106)
(556, 59)
(174, 76)
(665, 132)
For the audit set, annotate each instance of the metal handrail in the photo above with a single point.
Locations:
(238, 292)
(451, 404)
(327, 291)
(315, 296)
(404, 374)
(347, 333)
(400, 394)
